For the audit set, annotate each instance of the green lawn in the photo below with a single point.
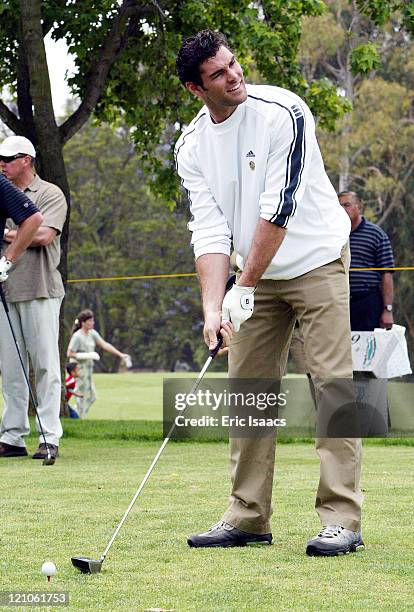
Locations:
(130, 396)
(73, 507)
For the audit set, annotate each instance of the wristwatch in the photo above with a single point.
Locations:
(388, 307)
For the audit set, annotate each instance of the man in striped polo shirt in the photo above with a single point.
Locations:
(372, 291)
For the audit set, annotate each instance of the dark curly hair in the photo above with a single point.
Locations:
(71, 366)
(194, 51)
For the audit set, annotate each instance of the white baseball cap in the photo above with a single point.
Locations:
(13, 145)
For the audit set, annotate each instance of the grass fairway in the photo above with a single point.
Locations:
(129, 395)
(73, 507)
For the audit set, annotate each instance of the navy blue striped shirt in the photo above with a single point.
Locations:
(370, 248)
(14, 204)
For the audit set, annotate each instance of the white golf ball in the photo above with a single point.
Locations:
(49, 568)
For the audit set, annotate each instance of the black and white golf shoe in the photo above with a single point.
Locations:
(334, 540)
(225, 535)
(41, 452)
(8, 450)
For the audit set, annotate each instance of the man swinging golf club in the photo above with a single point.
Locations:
(252, 168)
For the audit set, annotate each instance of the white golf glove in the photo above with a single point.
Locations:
(5, 266)
(92, 355)
(238, 305)
(127, 360)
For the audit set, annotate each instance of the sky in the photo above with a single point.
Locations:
(59, 61)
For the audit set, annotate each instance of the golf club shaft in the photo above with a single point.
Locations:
(213, 353)
(32, 397)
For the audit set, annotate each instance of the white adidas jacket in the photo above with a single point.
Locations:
(263, 161)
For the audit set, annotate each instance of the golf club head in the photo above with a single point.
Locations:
(86, 565)
(49, 460)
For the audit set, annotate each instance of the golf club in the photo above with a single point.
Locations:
(93, 566)
(49, 460)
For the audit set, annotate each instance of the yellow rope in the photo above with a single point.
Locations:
(386, 269)
(119, 278)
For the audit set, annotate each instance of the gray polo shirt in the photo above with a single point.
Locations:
(84, 343)
(35, 274)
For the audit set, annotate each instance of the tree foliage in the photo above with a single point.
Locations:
(350, 43)
(125, 58)
(125, 65)
(380, 12)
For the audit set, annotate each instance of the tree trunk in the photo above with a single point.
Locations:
(344, 162)
(344, 157)
(348, 84)
(48, 143)
(344, 166)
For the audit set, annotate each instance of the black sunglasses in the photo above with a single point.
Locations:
(7, 159)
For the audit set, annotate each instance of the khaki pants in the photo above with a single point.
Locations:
(319, 299)
(36, 325)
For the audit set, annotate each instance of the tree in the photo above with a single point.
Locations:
(373, 150)
(349, 43)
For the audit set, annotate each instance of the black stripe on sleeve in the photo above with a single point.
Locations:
(294, 164)
(287, 203)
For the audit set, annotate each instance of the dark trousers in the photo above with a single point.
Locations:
(366, 310)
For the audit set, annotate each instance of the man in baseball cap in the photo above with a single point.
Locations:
(34, 294)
